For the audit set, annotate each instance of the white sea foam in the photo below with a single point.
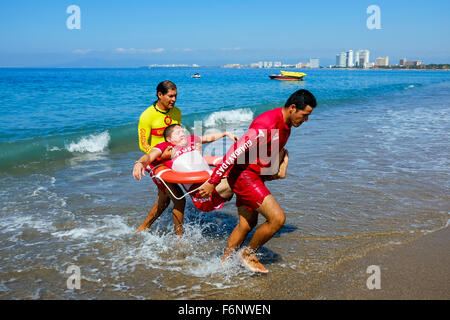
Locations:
(92, 143)
(109, 227)
(54, 148)
(230, 116)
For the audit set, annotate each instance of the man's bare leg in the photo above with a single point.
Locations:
(178, 216)
(158, 208)
(178, 208)
(275, 216)
(247, 221)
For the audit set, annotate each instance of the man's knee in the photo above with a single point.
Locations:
(248, 219)
(245, 226)
(272, 212)
(278, 219)
(253, 223)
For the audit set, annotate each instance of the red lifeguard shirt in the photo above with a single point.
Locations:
(267, 133)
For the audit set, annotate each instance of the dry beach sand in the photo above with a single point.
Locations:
(417, 270)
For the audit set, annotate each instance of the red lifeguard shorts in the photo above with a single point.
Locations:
(249, 188)
(158, 183)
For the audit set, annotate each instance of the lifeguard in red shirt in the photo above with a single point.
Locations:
(252, 160)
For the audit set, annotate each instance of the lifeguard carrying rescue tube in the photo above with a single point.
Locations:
(171, 176)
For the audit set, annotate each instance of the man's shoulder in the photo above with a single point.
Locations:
(176, 111)
(147, 112)
(267, 120)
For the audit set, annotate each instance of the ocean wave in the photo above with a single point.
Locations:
(91, 143)
(230, 116)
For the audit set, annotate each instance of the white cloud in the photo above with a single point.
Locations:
(231, 49)
(138, 51)
(82, 51)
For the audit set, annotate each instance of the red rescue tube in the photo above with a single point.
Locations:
(171, 176)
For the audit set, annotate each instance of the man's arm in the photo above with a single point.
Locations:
(144, 131)
(162, 150)
(282, 170)
(207, 138)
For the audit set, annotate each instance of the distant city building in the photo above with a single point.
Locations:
(349, 59)
(402, 62)
(288, 65)
(257, 64)
(168, 66)
(314, 63)
(302, 65)
(341, 60)
(382, 62)
(413, 63)
(232, 65)
(277, 64)
(357, 59)
(268, 64)
(364, 58)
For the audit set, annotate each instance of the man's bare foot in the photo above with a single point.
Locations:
(226, 254)
(145, 225)
(251, 262)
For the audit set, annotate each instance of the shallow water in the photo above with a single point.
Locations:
(364, 172)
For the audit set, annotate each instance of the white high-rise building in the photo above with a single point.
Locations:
(364, 58)
(341, 60)
(357, 59)
(314, 63)
(349, 59)
(277, 64)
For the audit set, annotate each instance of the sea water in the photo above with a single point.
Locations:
(369, 169)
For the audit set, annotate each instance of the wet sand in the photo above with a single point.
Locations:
(419, 270)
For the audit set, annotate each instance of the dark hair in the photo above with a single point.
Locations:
(168, 131)
(165, 86)
(301, 98)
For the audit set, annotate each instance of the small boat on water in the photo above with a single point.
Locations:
(196, 75)
(288, 75)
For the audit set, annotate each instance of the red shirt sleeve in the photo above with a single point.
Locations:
(162, 146)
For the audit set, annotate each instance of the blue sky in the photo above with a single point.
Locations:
(134, 33)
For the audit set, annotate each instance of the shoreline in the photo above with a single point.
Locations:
(418, 270)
